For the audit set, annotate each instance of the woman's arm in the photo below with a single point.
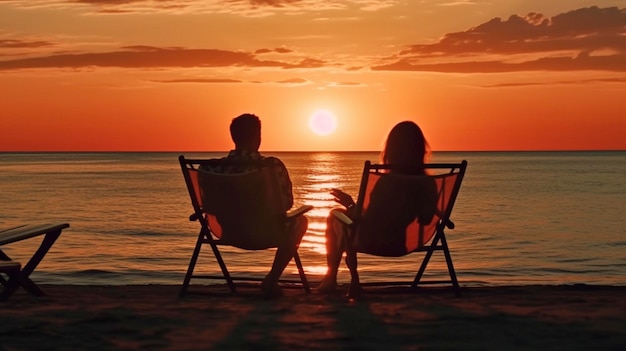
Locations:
(342, 198)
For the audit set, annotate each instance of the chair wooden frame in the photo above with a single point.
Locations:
(21, 276)
(190, 167)
(455, 173)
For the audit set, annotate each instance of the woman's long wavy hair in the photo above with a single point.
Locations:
(406, 148)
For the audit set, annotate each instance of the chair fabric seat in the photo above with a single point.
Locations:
(394, 222)
(241, 210)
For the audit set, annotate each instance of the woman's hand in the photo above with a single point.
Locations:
(342, 198)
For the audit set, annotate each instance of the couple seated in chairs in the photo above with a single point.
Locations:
(245, 199)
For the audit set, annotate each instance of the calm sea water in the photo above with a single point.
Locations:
(521, 217)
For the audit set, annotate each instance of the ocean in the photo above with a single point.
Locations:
(521, 217)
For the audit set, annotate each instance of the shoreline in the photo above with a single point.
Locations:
(114, 317)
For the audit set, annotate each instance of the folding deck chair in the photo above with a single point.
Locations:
(418, 235)
(243, 203)
(18, 275)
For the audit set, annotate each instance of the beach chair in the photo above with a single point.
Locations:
(12, 270)
(236, 203)
(420, 237)
(18, 275)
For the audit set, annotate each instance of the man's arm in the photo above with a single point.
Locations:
(284, 182)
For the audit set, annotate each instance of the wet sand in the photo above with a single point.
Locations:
(153, 317)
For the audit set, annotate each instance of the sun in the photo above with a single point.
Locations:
(323, 122)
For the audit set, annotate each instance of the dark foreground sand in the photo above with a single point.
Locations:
(153, 317)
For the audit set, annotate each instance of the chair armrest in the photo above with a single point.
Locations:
(298, 211)
(449, 224)
(342, 217)
(22, 232)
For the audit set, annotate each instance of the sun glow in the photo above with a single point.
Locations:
(323, 122)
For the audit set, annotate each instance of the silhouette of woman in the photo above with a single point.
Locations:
(391, 209)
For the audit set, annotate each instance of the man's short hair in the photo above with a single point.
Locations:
(245, 128)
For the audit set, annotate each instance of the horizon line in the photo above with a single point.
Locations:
(293, 151)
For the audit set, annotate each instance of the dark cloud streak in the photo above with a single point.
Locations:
(615, 63)
(200, 80)
(14, 44)
(154, 57)
(290, 81)
(569, 82)
(593, 38)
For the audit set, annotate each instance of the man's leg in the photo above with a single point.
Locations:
(286, 250)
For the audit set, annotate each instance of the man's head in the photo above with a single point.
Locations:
(245, 131)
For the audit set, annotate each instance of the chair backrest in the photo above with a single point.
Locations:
(404, 206)
(241, 206)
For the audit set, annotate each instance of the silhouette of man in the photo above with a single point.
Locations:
(245, 131)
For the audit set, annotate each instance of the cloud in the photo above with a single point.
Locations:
(277, 50)
(585, 39)
(615, 63)
(248, 8)
(16, 43)
(200, 80)
(287, 82)
(590, 38)
(290, 81)
(346, 84)
(457, 3)
(564, 82)
(298, 81)
(157, 57)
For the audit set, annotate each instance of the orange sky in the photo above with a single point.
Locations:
(169, 76)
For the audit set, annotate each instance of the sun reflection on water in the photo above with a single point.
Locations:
(316, 177)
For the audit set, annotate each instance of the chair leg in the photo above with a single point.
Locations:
(446, 251)
(5, 294)
(4, 257)
(429, 254)
(305, 282)
(14, 281)
(192, 265)
(22, 278)
(43, 249)
(220, 261)
(355, 284)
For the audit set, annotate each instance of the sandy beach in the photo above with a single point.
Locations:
(153, 317)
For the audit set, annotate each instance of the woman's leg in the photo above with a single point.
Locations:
(334, 251)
